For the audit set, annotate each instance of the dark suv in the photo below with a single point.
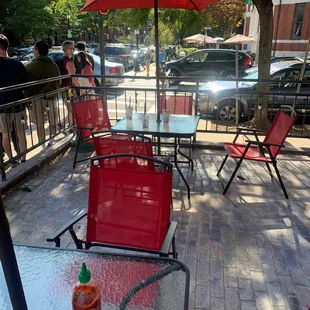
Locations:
(210, 63)
(121, 54)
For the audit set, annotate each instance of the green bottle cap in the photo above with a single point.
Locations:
(84, 274)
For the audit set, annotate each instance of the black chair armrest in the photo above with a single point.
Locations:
(55, 237)
(85, 128)
(157, 161)
(264, 143)
(169, 237)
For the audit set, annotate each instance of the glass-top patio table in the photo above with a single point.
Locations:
(48, 277)
(179, 126)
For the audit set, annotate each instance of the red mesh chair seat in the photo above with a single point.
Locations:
(177, 104)
(253, 153)
(109, 145)
(91, 115)
(129, 208)
(254, 150)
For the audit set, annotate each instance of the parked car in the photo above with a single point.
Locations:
(217, 99)
(282, 58)
(120, 54)
(111, 68)
(209, 63)
(91, 48)
(17, 52)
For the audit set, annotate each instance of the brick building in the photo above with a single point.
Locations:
(291, 30)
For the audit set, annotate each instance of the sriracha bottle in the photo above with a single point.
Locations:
(86, 294)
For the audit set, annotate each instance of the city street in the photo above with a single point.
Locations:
(138, 98)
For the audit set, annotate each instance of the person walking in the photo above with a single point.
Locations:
(81, 47)
(13, 72)
(147, 61)
(42, 67)
(68, 68)
(137, 65)
(162, 57)
(86, 69)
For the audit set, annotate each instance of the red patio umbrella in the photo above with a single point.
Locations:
(104, 5)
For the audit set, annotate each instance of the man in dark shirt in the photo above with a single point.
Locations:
(42, 67)
(12, 72)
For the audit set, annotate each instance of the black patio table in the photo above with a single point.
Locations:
(178, 127)
(148, 282)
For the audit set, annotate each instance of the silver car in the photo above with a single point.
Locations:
(111, 68)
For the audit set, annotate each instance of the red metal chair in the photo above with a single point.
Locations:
(91, 115)
(107, 145)
(257, 151)
(177, 104)
(127, 209)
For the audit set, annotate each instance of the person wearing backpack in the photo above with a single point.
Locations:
(42, 67)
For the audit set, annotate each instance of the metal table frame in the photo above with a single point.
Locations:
(163, 130)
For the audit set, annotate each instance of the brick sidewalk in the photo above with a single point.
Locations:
(248, 250)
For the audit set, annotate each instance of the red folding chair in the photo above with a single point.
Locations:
(257, 151)
(127, 209)
(177, 104)
(91, 115)
(107, 145)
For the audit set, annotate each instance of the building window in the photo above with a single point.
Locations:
(298, 19)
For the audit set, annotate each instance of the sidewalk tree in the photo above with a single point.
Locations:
(132, 18)
(225, 16)
(165, 35)
(25, 17)
(265, 11)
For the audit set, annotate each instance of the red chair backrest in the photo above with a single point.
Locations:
(128, 207)
(177, 104)
(279, 130)
(91, 113)
(108, 145)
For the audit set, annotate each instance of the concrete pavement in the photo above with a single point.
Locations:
(246, 250)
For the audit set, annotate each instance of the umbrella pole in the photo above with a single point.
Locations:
(237, 83)
(102, 54)
(9, 264)
(157, 59)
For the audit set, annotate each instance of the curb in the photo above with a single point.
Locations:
(19, 173)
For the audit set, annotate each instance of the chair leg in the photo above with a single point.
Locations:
(269, 170)
(174, 251)
(233, 175)
(222, 165)
(76, 152)
(280, 180)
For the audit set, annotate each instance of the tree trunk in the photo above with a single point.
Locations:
(265, 11)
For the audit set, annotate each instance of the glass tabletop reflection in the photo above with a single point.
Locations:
(48, 277)
(180, 126)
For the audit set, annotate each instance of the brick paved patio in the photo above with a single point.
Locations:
(247, 250)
